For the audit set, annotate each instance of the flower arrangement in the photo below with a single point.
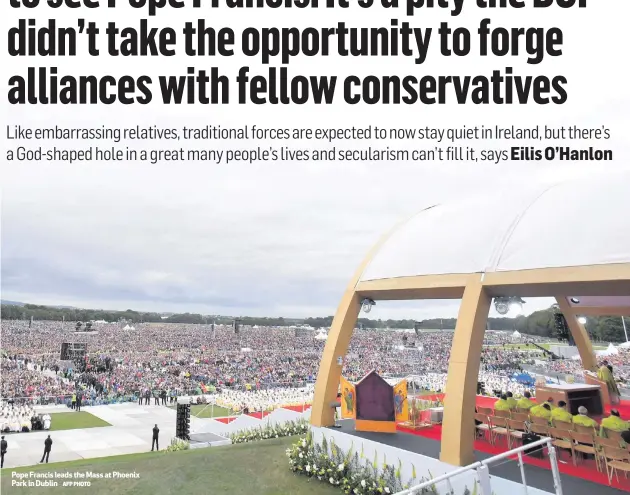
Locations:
(177, 444)
(287, 429)
(350, 471)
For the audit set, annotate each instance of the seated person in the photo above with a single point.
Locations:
(582, 418)
(15, 424)
(525, 402)
(511, 400)
(502, 404)
(46, 421)
(560, 413)
(541, 411)
(614, 423)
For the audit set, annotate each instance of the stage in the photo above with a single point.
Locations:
(575, 480)
(582, 479)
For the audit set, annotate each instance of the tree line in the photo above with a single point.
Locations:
(540, 323)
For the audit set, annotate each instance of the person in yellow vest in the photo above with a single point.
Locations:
(511, 400)
(582, 419)
(525, 402)
(73, 401)
(614, 423)
(560, 413)
(541, 411)
(502, 404)
(605, 374)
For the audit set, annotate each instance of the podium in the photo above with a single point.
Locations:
(592, 379)
(575, 395)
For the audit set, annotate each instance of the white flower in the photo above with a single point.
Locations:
(340, 467)
(363, 483)
(304, 443)
(308, 468)
(386, 489)
(314, 467)
(301, 456)
(332, 481)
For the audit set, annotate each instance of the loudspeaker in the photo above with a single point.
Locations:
(182, 429)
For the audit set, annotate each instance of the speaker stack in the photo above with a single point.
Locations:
(182, 431)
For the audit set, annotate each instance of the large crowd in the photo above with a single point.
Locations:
(256, 365)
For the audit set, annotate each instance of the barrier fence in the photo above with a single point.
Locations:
(483, 481)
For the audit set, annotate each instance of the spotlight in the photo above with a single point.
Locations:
(575, 300)
(505, 305)
(366, 305)
(582, 320)
(502, 305)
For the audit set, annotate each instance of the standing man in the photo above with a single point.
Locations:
(47, 448)
(163, 396)
(3, 450)
(73, 401)
(156, 434)
(79, 400)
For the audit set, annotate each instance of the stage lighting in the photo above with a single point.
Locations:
(582, 320)
(505, 305)
(366, 305)
(575, 300)
(501, 304)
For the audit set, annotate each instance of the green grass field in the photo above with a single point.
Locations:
(261, 468)
(206, 411)
(75, 420)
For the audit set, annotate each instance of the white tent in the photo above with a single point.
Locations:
(132, 328)
(611, 351)
(127, 327)
(516, 335)
(625, 345)
(321, 335)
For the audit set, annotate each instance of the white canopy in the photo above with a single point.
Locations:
(625, 345)
(611, 351)
(500, 231)
(321, 335)
(516, 334)
(127, 327)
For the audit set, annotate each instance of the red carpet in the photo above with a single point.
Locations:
(585, 469)
(259, 415)
(225, 420)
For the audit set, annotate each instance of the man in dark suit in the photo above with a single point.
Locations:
(47, 448)
(79, 400)
(156, 434)
(3, 450)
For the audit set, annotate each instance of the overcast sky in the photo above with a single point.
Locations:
(277, 238)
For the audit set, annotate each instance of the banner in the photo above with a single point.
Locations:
(348, 399)
(400, 402)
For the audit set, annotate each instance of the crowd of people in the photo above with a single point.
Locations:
(254, 367)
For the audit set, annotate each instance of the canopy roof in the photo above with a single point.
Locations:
(574, 223)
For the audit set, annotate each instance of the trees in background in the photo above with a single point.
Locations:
(539, 323)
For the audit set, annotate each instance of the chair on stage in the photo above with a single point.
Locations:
(517, 429)
(587, 430)
(584, 443)
(485, 410)
(500, 428)
(519, 416)
(537, 420)
(614, 435)
(502, 414)
(600, 444)
(563, 425)
(562, 440)
(484, 426)
(616, 459)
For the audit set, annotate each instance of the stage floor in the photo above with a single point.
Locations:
(537, 476)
